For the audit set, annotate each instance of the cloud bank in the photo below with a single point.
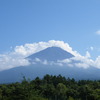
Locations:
(19, 53)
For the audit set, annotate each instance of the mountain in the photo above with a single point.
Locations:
(51, 54)
(32, 71)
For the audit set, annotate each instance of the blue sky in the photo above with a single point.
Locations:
(73, 21)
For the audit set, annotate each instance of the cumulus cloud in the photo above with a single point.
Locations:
(98, 32)
(97, 62)
(82, 61)
(79, 61)
(18, 55)
(28, 49)
(9, 61)
(91, 48)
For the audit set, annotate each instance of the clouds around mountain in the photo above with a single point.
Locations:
(29, 49)
(19, 53)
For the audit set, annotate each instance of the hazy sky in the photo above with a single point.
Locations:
(76, 22)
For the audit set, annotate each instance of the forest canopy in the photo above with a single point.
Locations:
(51, 88)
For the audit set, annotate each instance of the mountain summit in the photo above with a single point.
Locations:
(52, 54)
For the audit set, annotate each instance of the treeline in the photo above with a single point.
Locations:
(51, 88)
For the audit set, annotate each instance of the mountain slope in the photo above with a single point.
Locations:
(52, 54)
(32, 71)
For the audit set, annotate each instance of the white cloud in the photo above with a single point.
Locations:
(8, 61)
(79, 61)
(28, 49)
(98, 32)
(87, 55)
(17, 56)
(91, 48)
(97, 62)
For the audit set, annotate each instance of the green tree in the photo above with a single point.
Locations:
(70, 98)
(61, 91)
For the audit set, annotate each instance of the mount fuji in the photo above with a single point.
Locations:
(45, 62)
(51, 54)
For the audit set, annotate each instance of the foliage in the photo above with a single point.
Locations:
(51, 88)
